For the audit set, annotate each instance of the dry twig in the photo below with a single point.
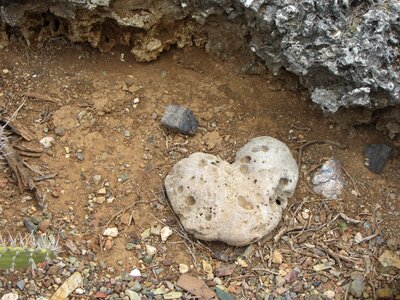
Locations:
(313, 142)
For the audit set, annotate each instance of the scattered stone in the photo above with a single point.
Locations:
(207, 267)
(225, 270)
(279, 280)
(322, 267)
(329, 294)
(60, 131)
(102, 191)
(179, 119)
(357, 286)
(44, 225)
(329, 181)
(123, 177)
(21, 284)
(277, 257)
(127, 133)
(393, 243)
(135, 273)
(155, 229)
(80, 115)
(145, 234)
(111, 232)
(173, 295)
(222, 295)
(100, 295)
(72, 283)
(385, 293)
(195, 286)
(358, 238)
(80, 156)
(108, 244)
(291, 276)
(10, 296)
(389, 260)
(183, 269)
(255, 188)
(96, 179)
(165, 233)
(132, 295)
(30, 226)
(376, 156)
(47, 142)
(151, 250)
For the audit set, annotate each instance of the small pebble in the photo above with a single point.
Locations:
(166, 232)
(111, 232)
(183, 269)
(60, 131)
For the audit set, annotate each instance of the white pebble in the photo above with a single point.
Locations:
(151, 250)
(47, 142)
(358, 238)
(136, 101)
(183, 269)
(111, 232)
(166, 232)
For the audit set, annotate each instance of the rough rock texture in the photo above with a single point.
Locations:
(329, 181)
(179, 119)
(235, 203)
(346, 52)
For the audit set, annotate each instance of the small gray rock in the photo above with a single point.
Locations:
(357, 286)
(60, 131)
(179, 119)
(376, 156)
(21, 284)
(30, 226)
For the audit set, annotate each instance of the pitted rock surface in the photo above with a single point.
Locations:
(236, 203)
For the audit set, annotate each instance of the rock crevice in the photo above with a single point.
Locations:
(345, 52)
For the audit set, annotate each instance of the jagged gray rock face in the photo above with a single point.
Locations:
(346, 52)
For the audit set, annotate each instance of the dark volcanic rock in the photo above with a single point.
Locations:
(376, 156)
(179, 119)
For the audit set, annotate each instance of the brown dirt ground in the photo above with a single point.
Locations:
(231, 107)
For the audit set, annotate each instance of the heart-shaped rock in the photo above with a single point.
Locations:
(236, 203)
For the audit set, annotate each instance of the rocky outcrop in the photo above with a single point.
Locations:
(235, 203)
(346, 52)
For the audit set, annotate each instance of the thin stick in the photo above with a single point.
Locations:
(44, 177)
(286, 230)
(352, 180)
(328, 251)
(309, 143)
(41, 97)
(122, 211)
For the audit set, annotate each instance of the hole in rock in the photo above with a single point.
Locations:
(262, 148)
(244, 169)
(246, 159)
(244, 203)
(190, 201)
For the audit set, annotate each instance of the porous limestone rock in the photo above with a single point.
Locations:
(236, 203)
